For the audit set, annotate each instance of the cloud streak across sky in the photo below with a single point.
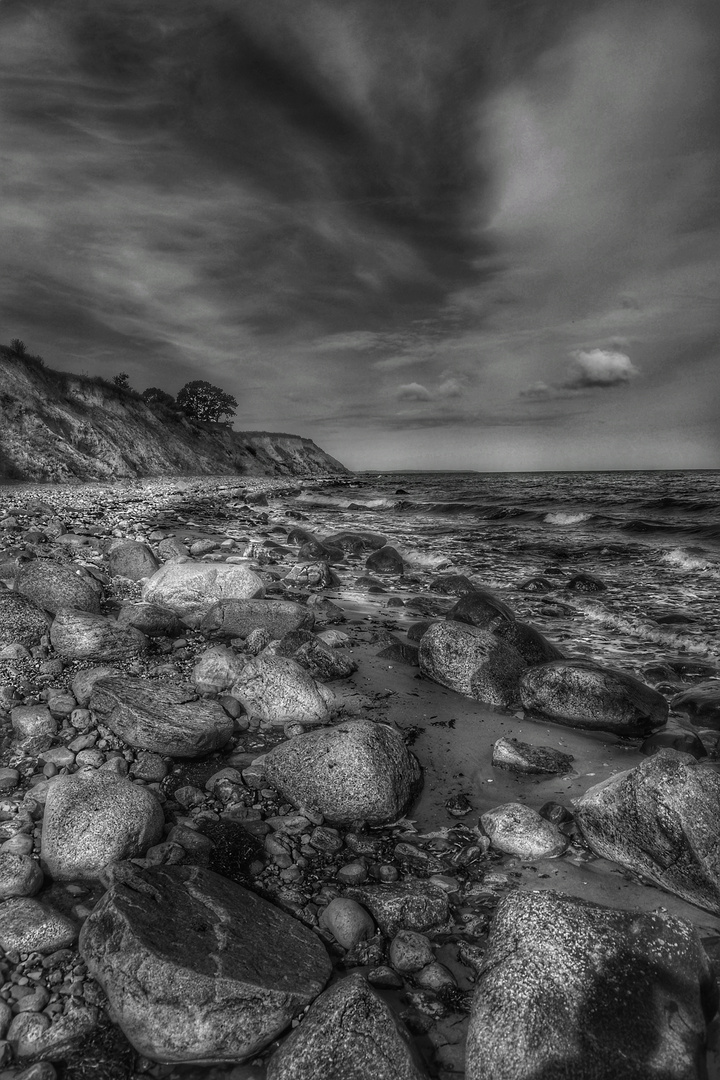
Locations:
(493, 221)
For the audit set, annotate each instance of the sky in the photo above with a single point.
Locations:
(442, 234)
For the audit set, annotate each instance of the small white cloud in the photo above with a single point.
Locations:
(601, 367)
(450, 388)
(413, 392)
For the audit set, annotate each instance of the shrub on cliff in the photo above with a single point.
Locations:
(201, 400)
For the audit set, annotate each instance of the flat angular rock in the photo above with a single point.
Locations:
(519, 830)
(570, 990)
(52, 586)
(191, 588)
(278, 690)
(525, 758)
(481, 608)
(585, 695)
(26, 925)
(411, 904)
(197, 968)
(133, 560)
(238, 618)
(356, 769)
(163, 717)
(79, 635)
(21, 621)
(317, 575)
(348, 1034)
(95, 818)
(471, 661)
(660, 820)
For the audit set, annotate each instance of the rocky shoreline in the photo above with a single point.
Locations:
(275, 804)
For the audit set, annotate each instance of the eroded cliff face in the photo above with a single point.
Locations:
(60, 427)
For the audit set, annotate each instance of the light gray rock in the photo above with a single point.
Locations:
(348, 1034)
(410, 951)
(34, 1039)
(660, 820)
(21, 621)
(524, 757)
(159, 716)
(279, 690)
(356, 769)
(191, 588)
(197, 968)
(347, 921)
(83, 683)
(33, 722)
(131, 559)
(52, 586)
(411, 904)
(78, 635)
(471, 661)
(19, 875)
(26, 925)
(238, 618)
(585, 695)
(313, 575)
(519, 830)
(93, 819)
(216, 670)
(570, 989)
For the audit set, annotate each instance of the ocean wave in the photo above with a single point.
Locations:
(644, 630)
(685, 559)
(672, 502)
(564, 517)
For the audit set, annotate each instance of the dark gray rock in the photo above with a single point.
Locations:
(585, 695)
(356, 769)
(52, 586)
(701, 704)
(523, 757)
(471, 661)
(355, 543)
(322, 662)
(150, 619)
(78, 635)
(163, 717)
(94, 818)
(387, 560)
(191, 588)
(238, 618)
(196, 968)
(314, 549)
(348, 1034)
(21, 621)
(533, 646)
(570, 990)
(278, 690)
(131, 559)
(660, 820)
(585, 583)
(411, 904)
(452, 585)
(481, 608)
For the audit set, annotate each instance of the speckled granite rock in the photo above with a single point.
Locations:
(191, 588)
(52, 585)
(471, 661)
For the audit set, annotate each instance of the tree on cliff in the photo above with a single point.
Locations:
(201, 400)
(122, 380)
(18, 347)
(155, 396)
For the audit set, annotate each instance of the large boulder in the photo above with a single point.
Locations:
(21, 621)
(585, 695)
(481, 608)
(472, 661)
(533, 646)
(163, 717)
(701, 703)
(133, 560)
(386, 560)
(52, 586)
(570, 989)
(197, 968)
(191, 588)
(661, 820)
(349, 1032)
(238, 618)
(354, 543)
(150, 619)
(78, 635)
(278, 690)
(357, 769)
(216, 670)
(93, 819)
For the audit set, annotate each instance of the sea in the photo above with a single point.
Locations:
(651, 538)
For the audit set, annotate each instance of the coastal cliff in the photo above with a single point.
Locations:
(56, 426)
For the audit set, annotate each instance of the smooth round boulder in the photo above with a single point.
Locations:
(571, 989)
(131, 559)
(95, 818)
(481, 608)
(163, 717)
(387, 560)
(357, 769)
(238, 618)
(27, 925)
(52, 586)
(79, 635)
(348, 1034)
(19, 875)
(278, 690)
(197, 968)
(471, 661)
(21, 621)
(347, 921)
(582, 694)
(660, 820)
(191, 588)
(519, 830)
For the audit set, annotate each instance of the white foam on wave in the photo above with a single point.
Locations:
(685, 560)
(643, 630)
(564, 517)
(424, 560)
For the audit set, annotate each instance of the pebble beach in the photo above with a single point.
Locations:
(360, 777)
